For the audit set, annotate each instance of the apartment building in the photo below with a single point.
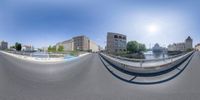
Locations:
(80, 43)
(3, 45)
(68, 45)
(116, 42)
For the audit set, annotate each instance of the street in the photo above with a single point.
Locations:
(88, 79)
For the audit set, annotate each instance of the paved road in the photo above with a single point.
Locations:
(88, 79)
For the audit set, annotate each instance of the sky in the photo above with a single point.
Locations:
(45, 22)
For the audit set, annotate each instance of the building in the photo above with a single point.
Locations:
(100, 48)
(3, 45)
(197, 47)
(180, 47)
(188, 43)
(183, 46)
(172, 47)
(93, 46)
(44, 49)
(115, 42)
(27, 48)
(80, 43)
(68, 45)
(157, 48)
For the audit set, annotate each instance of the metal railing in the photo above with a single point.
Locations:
(146, 60)
(141, 61)
(150, 69)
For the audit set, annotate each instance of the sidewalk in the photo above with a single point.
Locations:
(45, 60)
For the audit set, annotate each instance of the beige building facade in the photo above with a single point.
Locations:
(197, 47)
(93, 46)
(80, 43)
(184, 46)
(68, 45)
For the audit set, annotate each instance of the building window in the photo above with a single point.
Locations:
(124, 38)
(115, 36)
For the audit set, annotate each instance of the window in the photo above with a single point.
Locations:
(115, 36)
(124, 38)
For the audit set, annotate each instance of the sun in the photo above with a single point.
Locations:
(152, 28)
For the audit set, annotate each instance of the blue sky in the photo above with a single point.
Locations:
(46, 22)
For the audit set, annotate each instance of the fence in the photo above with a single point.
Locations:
(150, 69)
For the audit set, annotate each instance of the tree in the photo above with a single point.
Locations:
(60, 48)
(132, 46)
(53, 49)
(18, 46)
(49, 49)
(142, 47)
(190, 49)
(135, 47)
(12, 46)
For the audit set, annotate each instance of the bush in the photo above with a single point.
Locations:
(52, 49)
(190, 49)
(74, 53)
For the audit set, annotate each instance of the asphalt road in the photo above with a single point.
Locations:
(88, 79)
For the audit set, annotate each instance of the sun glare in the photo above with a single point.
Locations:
(152, 28)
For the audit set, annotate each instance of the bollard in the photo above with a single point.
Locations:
(141, 63)
(124, 66)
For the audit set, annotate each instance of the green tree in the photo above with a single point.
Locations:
(18, 46)
(53, 49)
(12, 47)
(135, 47)
(60, 48)
(190, 49)
(132, 46)
(49, 49)
(142, 47)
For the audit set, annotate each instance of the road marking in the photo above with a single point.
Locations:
(133, 78)
(178, 68)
